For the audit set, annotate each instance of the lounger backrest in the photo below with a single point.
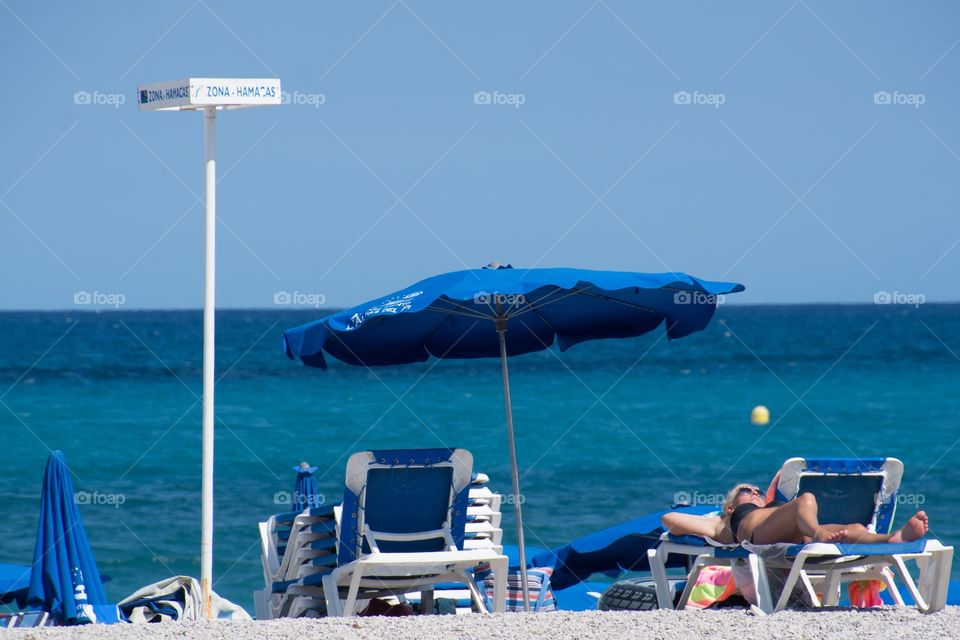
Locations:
(848, 490)
(404, 491)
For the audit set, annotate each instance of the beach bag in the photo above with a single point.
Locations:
(865, 593)
(714, 584)
(176, 599)
(538, 583)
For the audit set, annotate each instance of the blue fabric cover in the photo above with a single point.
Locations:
(65, 574)
(451, 315)
(577, 598)
(843, 499)
(610, 551)
(845, 465)
(14, 583)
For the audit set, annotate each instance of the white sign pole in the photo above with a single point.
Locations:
(208, 95)
(209, 355)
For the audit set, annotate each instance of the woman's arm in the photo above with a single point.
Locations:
(682, 524)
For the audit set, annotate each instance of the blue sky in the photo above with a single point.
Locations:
(742, 141)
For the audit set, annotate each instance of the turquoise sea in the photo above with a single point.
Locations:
(606, 431)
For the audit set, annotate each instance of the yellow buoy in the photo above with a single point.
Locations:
(760, 415)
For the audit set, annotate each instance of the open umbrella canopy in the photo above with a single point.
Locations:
(64, 580)
(450, 315)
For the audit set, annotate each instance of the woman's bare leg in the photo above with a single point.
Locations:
(795, 521)
(778, 527)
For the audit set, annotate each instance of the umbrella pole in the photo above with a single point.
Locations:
(514, 474)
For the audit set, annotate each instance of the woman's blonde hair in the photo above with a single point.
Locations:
(732, 494)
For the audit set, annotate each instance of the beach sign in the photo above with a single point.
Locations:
(198, 93)
(208, 96)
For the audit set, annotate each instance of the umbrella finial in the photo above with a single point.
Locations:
(304, 467)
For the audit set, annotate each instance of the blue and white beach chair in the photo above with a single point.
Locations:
(401, 529)
(855, 491)
(848, 491)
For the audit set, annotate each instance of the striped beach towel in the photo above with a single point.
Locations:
(538, 584)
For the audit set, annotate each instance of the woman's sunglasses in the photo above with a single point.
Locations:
(745, 491)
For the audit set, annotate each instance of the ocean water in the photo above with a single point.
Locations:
(606, 431)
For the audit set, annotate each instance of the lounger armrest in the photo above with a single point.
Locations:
(372, 537)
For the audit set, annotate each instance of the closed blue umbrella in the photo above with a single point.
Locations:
(306, 493)
(468, 314)
(64, 580)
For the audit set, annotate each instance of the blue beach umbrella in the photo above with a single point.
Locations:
(306, 493)
(64, 580)
(469, 314)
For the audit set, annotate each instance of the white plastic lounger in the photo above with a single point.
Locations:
(27, 619)
(700, 552)
(298, 549)
(402, 529)
(406, 526)
(847, 491)
(864, 491)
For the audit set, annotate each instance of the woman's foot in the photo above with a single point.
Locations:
(915, 528)
(825, 535)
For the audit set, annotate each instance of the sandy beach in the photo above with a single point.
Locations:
(881, 623)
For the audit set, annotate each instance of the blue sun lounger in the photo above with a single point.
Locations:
(848, 491)
(402, 528)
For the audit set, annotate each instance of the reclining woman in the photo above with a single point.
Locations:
(747, 516)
